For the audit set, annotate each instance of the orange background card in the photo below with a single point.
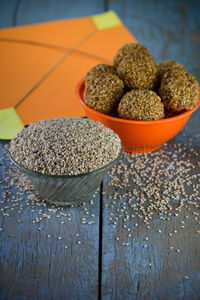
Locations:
(41, 56)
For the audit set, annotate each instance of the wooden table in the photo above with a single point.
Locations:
(86, 252)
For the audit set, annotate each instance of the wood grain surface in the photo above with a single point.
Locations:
(79, 252)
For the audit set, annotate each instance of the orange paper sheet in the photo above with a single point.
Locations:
(29, 52)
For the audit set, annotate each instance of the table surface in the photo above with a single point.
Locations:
(106, 249)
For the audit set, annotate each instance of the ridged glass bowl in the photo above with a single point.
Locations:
(66, 189)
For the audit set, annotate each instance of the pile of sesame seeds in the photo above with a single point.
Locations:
(65, 146)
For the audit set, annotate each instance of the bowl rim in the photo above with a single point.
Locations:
(81, 84)
(67, 176)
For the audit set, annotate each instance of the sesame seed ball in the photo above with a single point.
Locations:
(166, 66)
(103, 94)
(138, 71)
(100, 70)
(179, 90)
(131, 49)
(141, 105)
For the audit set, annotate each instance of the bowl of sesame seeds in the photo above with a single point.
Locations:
(65, 158)
(138, 136)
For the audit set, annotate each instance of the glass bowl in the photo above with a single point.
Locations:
(138, 136)
(66, 189)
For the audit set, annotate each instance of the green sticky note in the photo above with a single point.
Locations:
(106, 20)
(10, 123)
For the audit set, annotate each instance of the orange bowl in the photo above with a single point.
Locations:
(138, 136)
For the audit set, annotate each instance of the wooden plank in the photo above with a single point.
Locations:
(41, 11)
(55, 257)
(8, 12)
(133, 270)
(60, 260)
(138, 261)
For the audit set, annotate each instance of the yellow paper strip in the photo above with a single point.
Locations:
(106, 20)
(10, 123)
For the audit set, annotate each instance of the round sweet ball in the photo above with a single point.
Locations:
(166, 66)
(103, 93)
(100, 70)
(141, 105)
(131, 49)
(138, 71)
(179, 90)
